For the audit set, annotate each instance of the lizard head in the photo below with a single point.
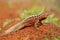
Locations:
(43, 15)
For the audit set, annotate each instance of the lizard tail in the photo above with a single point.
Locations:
(12, 29)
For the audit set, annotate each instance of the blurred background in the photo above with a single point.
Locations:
(15, 10)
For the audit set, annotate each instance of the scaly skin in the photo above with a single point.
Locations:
(34, 20)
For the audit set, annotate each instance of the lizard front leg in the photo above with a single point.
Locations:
(37, 24)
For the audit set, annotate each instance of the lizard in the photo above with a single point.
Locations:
(30, 21)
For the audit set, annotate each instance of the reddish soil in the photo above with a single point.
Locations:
(30, 33)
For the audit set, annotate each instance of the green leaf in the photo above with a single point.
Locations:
(31, 11)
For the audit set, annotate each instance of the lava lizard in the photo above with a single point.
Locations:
(30, 21)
